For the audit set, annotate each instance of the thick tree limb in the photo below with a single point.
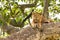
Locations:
(29, 33)
(9, 29)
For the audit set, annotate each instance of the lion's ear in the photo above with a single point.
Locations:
(33, 12)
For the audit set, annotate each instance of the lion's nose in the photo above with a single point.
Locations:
(35, 22)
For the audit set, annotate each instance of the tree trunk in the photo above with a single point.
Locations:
(45, 10)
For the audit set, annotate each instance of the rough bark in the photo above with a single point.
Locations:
(45, 10)
(29, 33)
(10, 29)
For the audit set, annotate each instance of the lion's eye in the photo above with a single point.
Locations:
(46, 22)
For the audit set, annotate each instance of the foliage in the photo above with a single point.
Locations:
(10, 9)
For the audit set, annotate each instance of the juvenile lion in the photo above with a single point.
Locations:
(37, 20)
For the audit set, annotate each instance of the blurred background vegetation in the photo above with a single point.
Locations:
(13, 12)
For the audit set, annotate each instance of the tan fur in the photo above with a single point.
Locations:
(37, 20)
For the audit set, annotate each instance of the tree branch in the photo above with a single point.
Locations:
(27, 5)
(20, 24)
(9, 29)
(29, 33)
